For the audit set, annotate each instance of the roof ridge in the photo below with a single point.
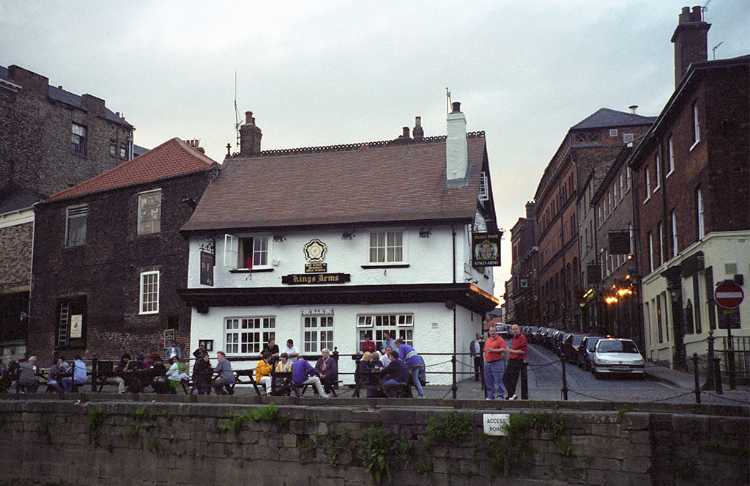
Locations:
(356, 146)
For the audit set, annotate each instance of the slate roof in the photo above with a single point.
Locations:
(359, 183)
(71, 99)
(171, 159)
(138, 150)
(14, 198)
(605, 117)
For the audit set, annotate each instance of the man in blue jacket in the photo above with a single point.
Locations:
(414, 362)
(304, 374)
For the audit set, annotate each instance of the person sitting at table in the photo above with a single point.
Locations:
(202, 372)
(271, 348)
(55, 375)
(367, 375)
(28, 376)
(327, 368)
(158, 372)
(304, 374)
(263, 371)
(413, 362)
(283, 365)
(225, 377)
(177, 373)
(396, 374)
(368, 345)
(385, 358)
(123, 373)
(80, 375)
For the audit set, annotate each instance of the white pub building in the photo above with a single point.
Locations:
(331, 245)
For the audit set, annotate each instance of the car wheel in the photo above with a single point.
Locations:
(598, 376)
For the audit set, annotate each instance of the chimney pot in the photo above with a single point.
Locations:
(456, 146)
(405, 132)
(685, 10)
(456, 107)
(249, 118)
(697, 13)
(250, 135)
(633, 109)
(418, 132)
(690, 41)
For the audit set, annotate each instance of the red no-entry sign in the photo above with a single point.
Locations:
(728, 295)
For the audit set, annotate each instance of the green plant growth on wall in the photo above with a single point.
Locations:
(267, 413)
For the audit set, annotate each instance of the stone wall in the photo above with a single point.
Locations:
(57, 442)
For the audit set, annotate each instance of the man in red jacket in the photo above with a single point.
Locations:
(494, 366)
(517, 354)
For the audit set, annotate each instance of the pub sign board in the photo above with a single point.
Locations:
(485, 250)
(207, 268)
(316, 278)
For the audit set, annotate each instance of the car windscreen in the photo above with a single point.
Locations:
(607, 346)
(591, 343)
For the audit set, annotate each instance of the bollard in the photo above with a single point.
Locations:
(454, 389)
(94, 373)
(525, 381)
(709, 384)
(696, 374)
(564, 390)
(717, 376)
(730, 364)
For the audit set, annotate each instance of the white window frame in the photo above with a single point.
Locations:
(658, 172)
(484, 192)
(139, 232)
(648, 185)
(244, 326)
(700, 213)
(314, 326)
(141, 301)
(661, 243)
(670, 155)
(628, 178)
(675, 242)
(628, 138)
(232, 251)
(616, 188)
(650, 251)
(612, 132)
(385, 247)
(403, 322)
(78, 212)
(696, 126)
(79, 133)
(622, 185)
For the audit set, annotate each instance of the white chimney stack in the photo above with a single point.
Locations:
(456, 149)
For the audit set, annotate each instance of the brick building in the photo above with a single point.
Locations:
(588, 144)
(524, 297)
(50, 140)
(692, 187)
(108, 256)
(616, 295)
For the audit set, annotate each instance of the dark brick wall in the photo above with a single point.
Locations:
(15, 245)
(107, 269)
(35, 149)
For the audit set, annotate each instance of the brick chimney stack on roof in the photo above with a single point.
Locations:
(418, 132)
(690, 40)
(456, 148)
(250, 136)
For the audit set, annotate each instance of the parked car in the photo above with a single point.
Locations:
(614, 356)
(586, 351)
(558, 342)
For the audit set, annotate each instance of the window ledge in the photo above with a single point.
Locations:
(254, 270)
(385, 265)
(151, 313)
(670, 173)
(695, 144)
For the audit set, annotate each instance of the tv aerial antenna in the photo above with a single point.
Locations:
(716, 47)
(236, 113)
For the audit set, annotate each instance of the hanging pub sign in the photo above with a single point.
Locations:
(315, 256)
(207, 268)
(619, 242)
(485, 250)
(316, 278)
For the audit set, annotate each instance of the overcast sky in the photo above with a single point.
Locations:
(319, 73)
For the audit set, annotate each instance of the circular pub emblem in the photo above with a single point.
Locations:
(315, 251)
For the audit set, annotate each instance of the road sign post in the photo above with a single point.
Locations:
(729, 295)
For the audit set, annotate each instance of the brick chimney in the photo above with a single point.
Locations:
(31, 81)
(530, 210)
(417, 132)
(93, 105)
(690, 40)
(250, 136)
(456, 148)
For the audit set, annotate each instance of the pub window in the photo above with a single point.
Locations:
(149, 292)
(675, 243)
(658, 173)
(207, 344)
(246, 335)
(78, 139)
(661, 243)
(317, 333)
(75, 225)
(647, 175)
(374, 327)
(670, 156)
(701, 223)
(650, 252)
(386, 247)
(697, 310)
(149, 212)
(113, 149)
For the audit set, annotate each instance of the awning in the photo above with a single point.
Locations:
(464, 294)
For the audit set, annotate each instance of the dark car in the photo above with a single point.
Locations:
(586, 351)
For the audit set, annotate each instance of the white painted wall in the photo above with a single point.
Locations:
(720, 250)
(429, 259)
(433, 330)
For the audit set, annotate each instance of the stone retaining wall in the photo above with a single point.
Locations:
(50, 442)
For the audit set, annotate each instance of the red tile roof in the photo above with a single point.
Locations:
(341, 184)
(171, 159)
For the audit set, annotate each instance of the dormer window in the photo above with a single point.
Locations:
(246, 253)
(484, 191)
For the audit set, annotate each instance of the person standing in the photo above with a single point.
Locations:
(475, 349)
(28, 376)
(494, 366)
(271, 348)
(517, 354)
(291, 351)
(413, 362)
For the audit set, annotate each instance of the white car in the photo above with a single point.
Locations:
(614, 356)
